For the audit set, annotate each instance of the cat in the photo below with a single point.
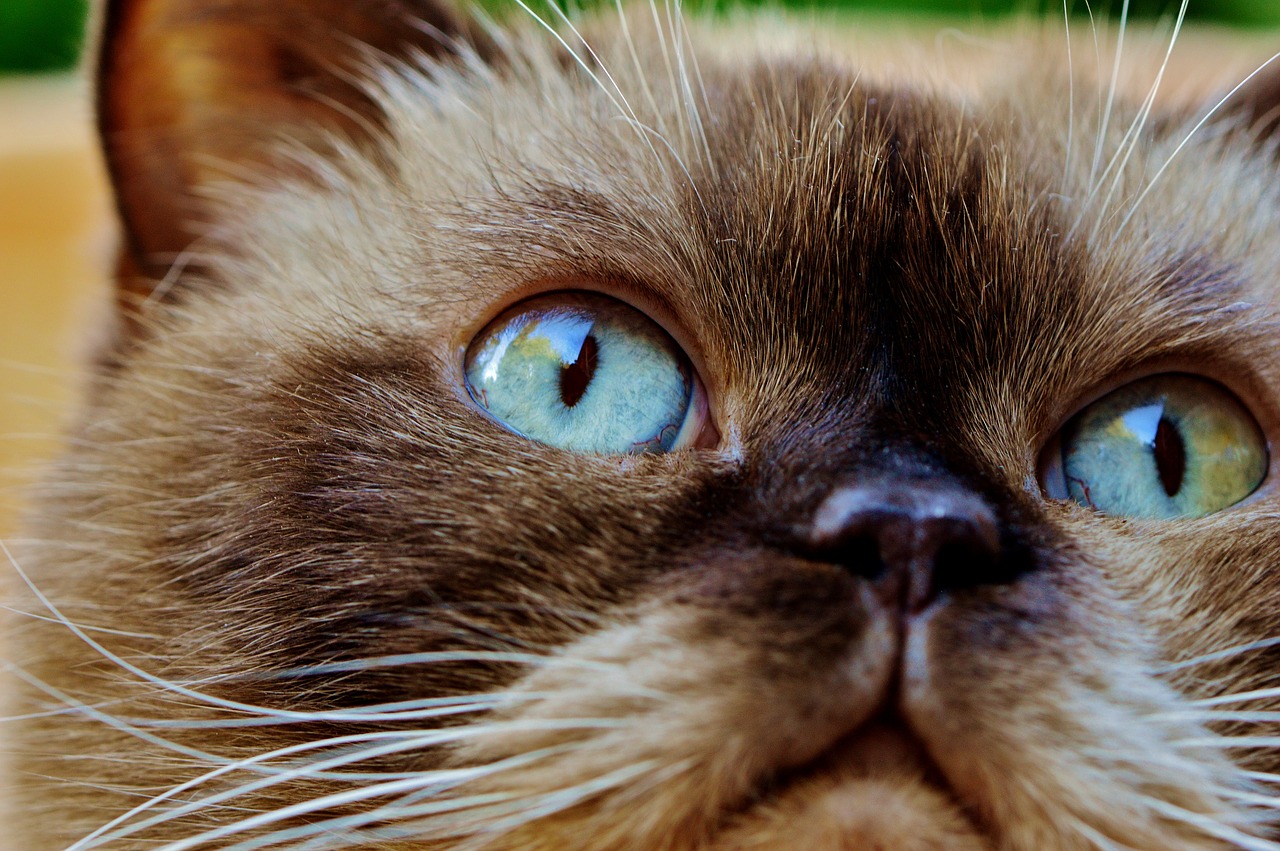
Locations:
(634, 432)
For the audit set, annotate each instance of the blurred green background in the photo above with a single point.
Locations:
(46, 35)
(40, 35)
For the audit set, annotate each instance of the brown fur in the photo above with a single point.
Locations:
(886, 277)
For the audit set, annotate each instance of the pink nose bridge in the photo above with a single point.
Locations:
(910, 524)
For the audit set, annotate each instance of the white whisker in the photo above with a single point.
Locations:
(438, 780)
(636, 65)
(109, 720)
(1094, 177)
(1261, 776)
(563, 799)
(1218, 655)
(397, 660)
(1133, 135)
(480, 822)
(354, 716)
(213, 700)
(120, 633)
(1185, 141)
(223, 832)
(1104, 843)
(666, 53)
(619, 100)
(1213, 827)
(623, 108)
(1230, 742)
(1071, 97)
(1254, 799)
(694, 116)
(106, 833)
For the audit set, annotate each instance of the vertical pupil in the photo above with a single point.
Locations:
(575, 377)
(1171, 456)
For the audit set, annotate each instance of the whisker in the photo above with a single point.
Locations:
(1254, 798)
(1071, 97)
(106, 832)
(422, 658)
(1129, 143)
(637, 66)
(284, 714)
(437, 780)
(697, 132)
(666, 53)
(1256, 716)
(1107, 110)
(88, 628)
(1098, 838)
(702, 86)
(108, 719)
(404, 710)
(58, 712)
(619, 102)
(526, 811)
(1162, 759)
(1231, 742)
(1218, 655)
(563, 799)
(223, 832)
(1213, 827)
(331, 801)
(1185, 141)
(1261, 776)
(206, 757)
(623, 108)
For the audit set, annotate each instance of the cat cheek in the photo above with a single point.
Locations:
(745, 670)
(1023, 681)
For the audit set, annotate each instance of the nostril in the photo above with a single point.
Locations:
(935, 536)
(959, 564)
(859, 554)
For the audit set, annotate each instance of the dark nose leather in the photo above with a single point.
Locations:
(914, 538)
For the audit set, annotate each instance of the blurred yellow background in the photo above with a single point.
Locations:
(55, 252)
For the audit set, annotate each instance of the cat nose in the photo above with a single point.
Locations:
(915, 539)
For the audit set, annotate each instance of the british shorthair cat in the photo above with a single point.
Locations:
(631, 432)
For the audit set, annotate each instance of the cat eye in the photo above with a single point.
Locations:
(1165, 446)
(586, 373)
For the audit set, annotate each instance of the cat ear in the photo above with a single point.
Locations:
(1257, 102)
(191, 90)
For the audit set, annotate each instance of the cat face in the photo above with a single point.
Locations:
(904, 482)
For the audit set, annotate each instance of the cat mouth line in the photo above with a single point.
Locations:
(878, 769)
(881, 755)
(883, 745)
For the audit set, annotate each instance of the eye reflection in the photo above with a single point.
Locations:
(585, 373)
(1162, 447)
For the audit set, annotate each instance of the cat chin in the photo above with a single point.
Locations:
(855, 815)
(877, 789)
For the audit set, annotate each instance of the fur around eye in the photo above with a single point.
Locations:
(1162, 447)
(585, 373)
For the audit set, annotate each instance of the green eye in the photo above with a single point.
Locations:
(585, 373)
(1166, 446)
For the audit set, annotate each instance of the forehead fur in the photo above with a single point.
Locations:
(960, 226)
